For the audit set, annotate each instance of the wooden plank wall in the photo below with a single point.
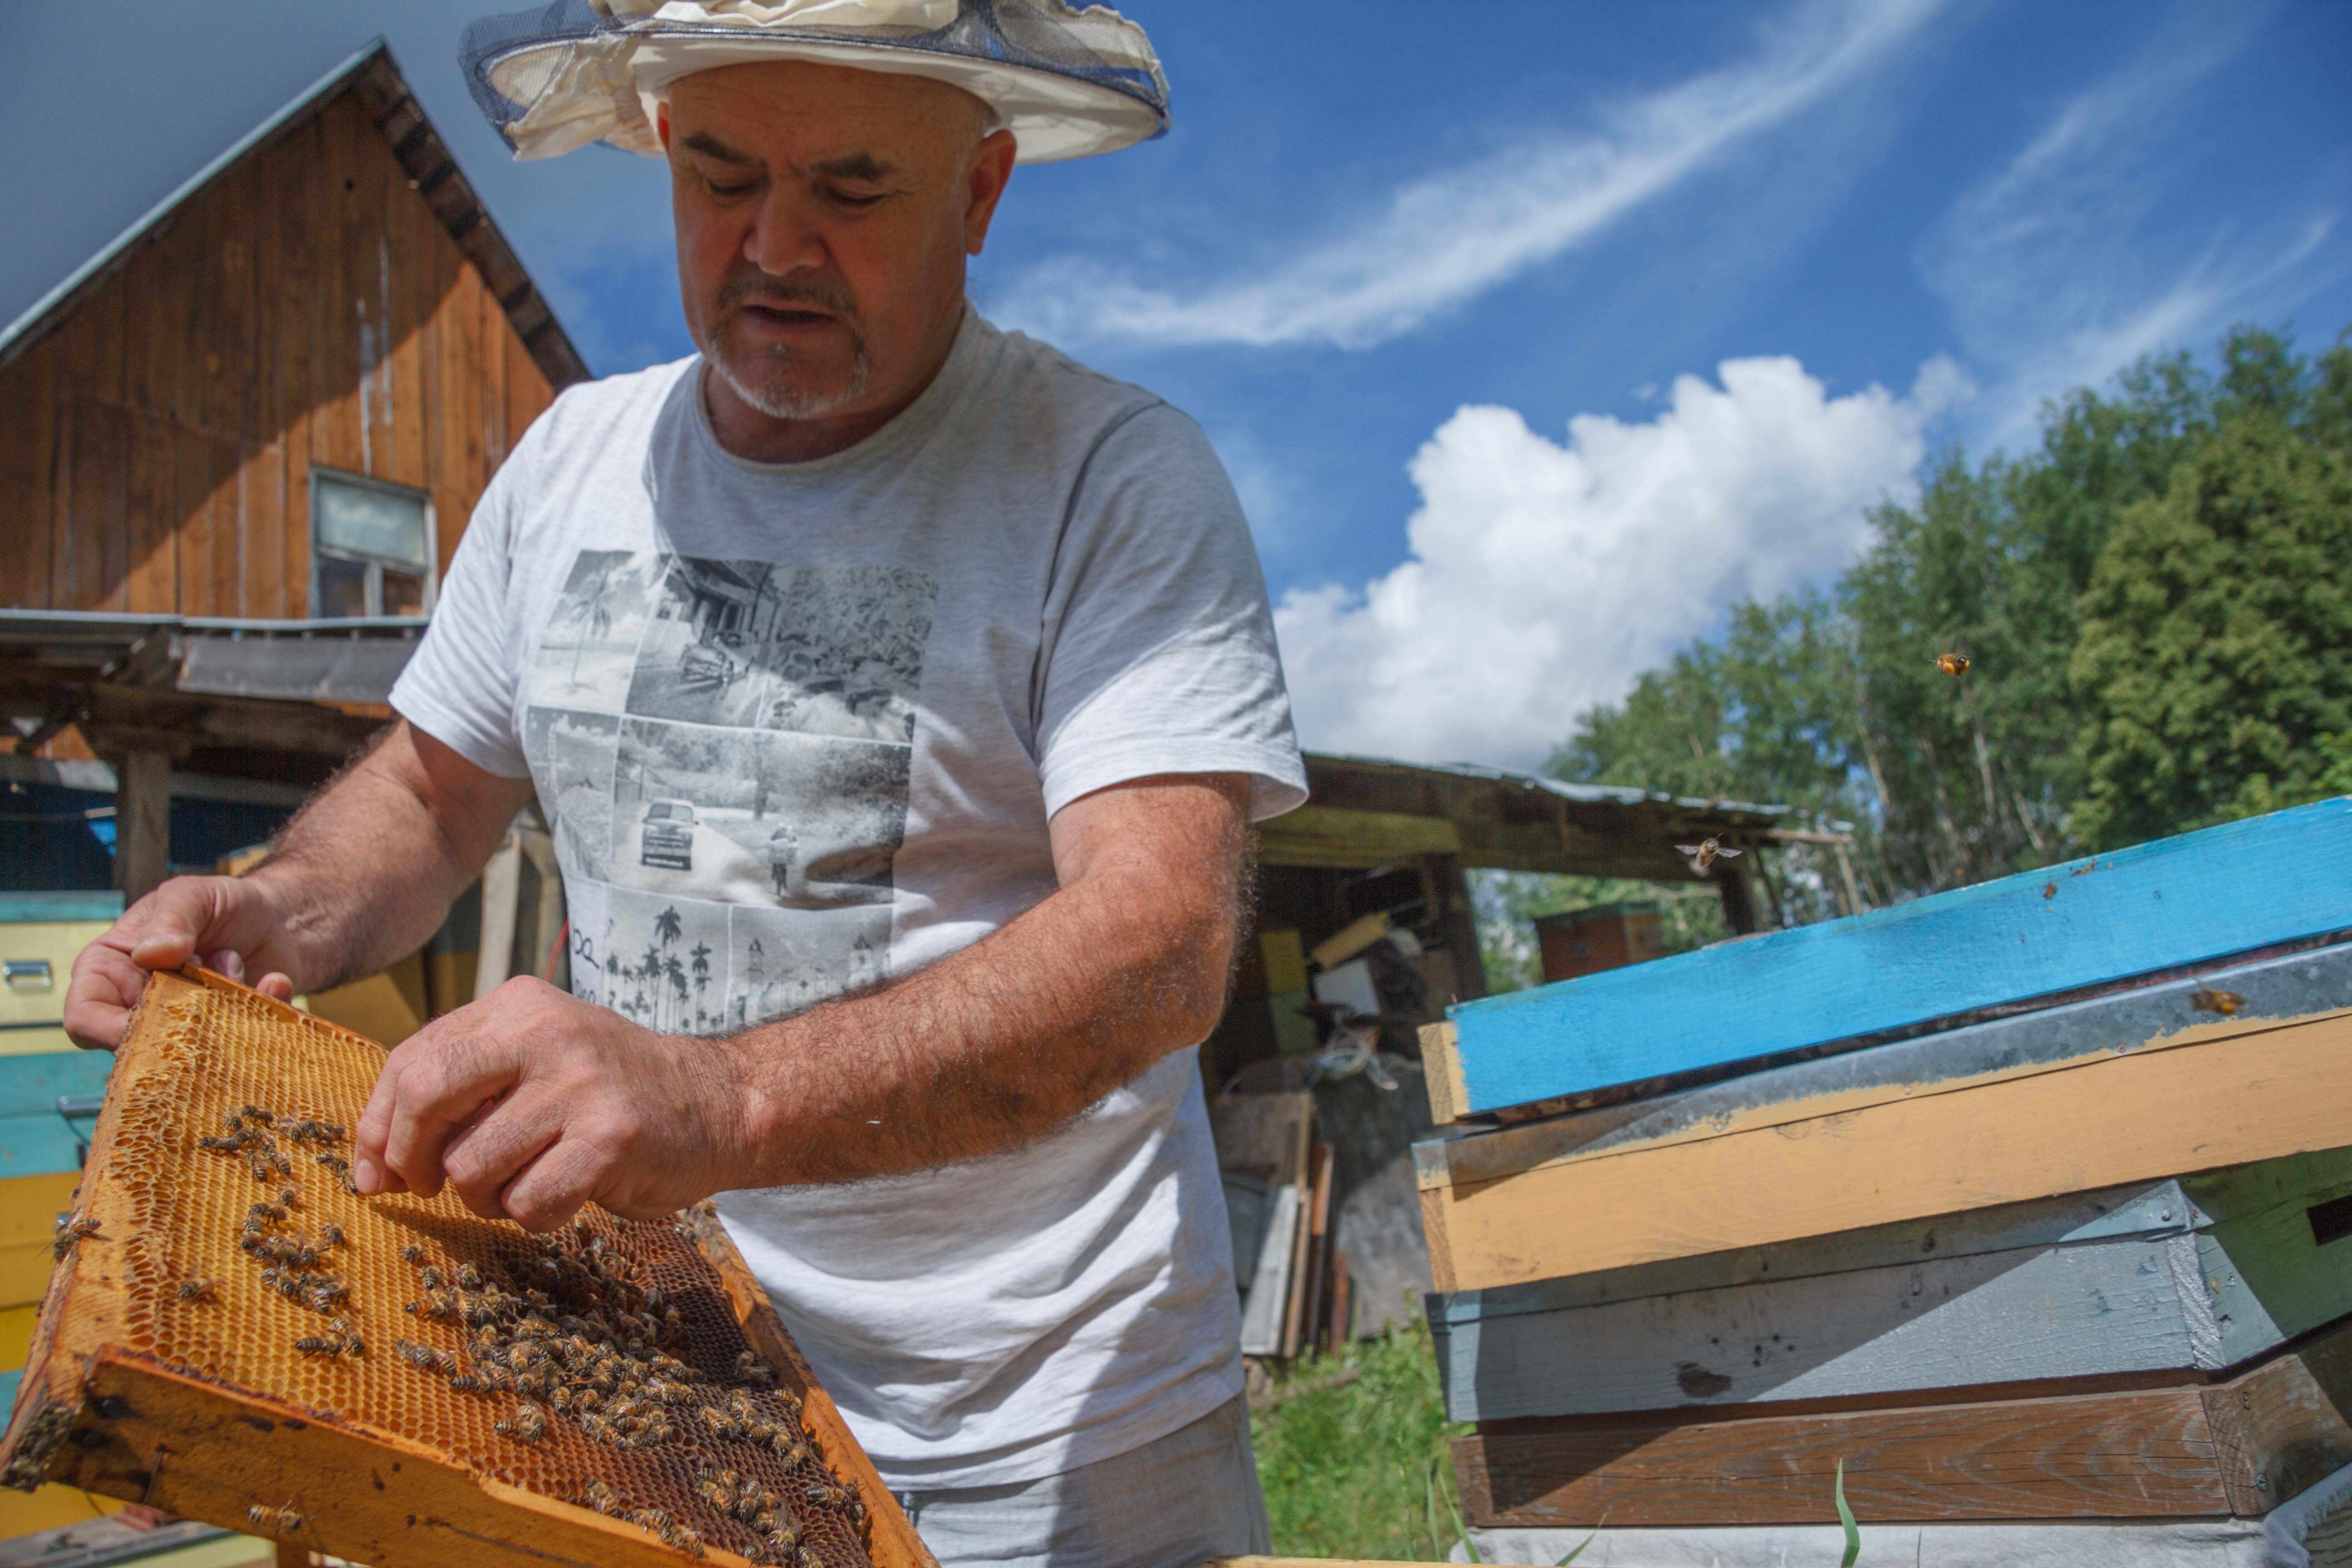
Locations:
(305, 307)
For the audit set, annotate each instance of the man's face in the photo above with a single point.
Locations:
(822, 217)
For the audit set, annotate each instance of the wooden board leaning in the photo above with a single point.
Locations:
(396, 1381)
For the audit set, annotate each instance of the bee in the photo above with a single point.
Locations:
(468, 1276)
(714, 1494)
(2049, 889)
(465, 1382)
(789, 1448)
(289, 1198)
(261, 1518)
(412, 1253)
(1953, 664)
(779, 1530)
(233, 1121)
(327, 1288)
(825, 1495)
(2207, 999)
(198, 1290)
(255, 1114)
(527, 1425)
(71, 1229)
(341, 1167)
(259, 1167)
(429, 1278)
(1707, 851)
(331, 1235)
(421, 1356)
(221, 1145)
(318, 1345)
(679, 1538)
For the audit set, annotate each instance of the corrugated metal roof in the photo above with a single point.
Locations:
(1594, 794)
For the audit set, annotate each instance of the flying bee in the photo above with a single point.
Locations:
(198, 1290)
(1953, 664)
(1707, 851)
(2207, 999)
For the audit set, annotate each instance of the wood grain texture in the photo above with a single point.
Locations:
(2147, 1454)
(161, 434)
(2204, 895)
(2239, 1446)
(2232, 1098)
(2131, 1279)
(1441, 1072)
(122, 1423)
(2149, 1016)
(2098, 1309)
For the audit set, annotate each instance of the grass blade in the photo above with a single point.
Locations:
(1845, 1521)
(1580, 1546)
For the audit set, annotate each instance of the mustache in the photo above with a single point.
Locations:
(756, 289)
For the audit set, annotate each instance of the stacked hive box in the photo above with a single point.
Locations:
(2029, 1205)
(233, 1334)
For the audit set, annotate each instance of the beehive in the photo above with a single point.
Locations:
(309, 1369)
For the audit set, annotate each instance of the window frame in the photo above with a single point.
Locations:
(373, 595)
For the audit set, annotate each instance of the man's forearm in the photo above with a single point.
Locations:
(367, 869)
(1003, 1042)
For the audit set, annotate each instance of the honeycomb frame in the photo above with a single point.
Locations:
(164, 1369)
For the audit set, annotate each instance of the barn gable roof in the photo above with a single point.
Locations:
(401, 121)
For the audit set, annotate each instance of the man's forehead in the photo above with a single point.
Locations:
(820, 114)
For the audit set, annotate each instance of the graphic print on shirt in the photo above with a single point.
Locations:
(723, 750)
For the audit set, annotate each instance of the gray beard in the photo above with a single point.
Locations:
(778, 399)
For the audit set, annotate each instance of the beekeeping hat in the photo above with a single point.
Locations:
(1066, 83)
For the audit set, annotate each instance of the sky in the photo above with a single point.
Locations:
(1531, 344)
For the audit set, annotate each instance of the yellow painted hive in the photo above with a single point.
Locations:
(233, 1334)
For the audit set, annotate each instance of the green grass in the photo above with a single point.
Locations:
(1348, 1470)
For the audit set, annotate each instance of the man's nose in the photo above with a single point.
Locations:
(784, 237)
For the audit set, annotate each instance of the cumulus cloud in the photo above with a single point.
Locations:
(1544, 575)
(1453, 235)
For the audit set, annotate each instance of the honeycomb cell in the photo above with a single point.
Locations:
(603, 1366)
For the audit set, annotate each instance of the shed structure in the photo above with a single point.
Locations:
(240, 445)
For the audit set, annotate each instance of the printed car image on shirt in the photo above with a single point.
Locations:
(667, 837)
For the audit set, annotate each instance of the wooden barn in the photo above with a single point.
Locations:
(239, 447)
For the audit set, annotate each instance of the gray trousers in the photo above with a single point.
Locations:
(1172, 1503)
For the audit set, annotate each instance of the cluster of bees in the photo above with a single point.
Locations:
(572, 1336)
(292, 1262)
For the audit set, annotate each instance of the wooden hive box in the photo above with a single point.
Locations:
(202, 1406)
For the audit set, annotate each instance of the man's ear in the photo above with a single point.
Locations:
(661, 123)
(991, 168)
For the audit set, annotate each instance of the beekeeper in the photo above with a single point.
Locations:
(1008, 674)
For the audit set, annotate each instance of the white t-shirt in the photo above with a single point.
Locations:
(800, 727)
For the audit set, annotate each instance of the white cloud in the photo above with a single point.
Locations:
(2050, 264)
(1453, 235)
(1543, 575)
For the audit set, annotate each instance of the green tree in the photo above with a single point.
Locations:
(2216, 647)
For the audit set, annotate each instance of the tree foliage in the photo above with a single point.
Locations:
(2158, 608)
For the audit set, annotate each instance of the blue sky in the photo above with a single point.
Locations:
(1529, 346)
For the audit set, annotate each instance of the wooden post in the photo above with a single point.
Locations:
(142, 822)
(1739, 900)
(1459, 923)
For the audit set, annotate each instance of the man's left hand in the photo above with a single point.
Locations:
(530, 1103)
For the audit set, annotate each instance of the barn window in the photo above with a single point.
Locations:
(371, 547)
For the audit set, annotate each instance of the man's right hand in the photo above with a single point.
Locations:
(226, 923)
